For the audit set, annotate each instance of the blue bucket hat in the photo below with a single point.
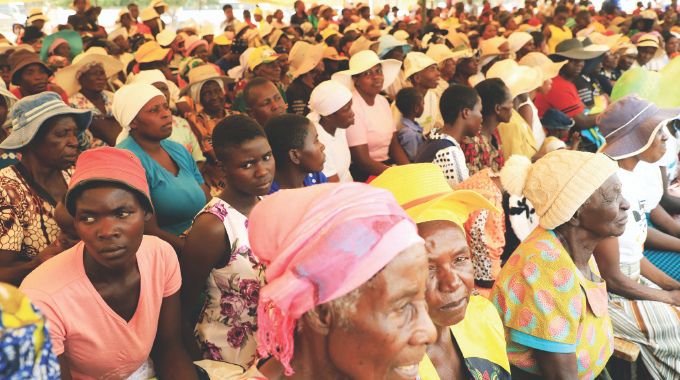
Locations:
(388, 42)
(554, 119)
(31, 112)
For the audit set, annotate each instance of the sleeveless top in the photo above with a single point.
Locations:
(227, 323)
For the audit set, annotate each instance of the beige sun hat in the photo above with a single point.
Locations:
(440, 53)
(517, 40)
(202, 73)
(415, 62)
(67, 78)
(304, 57)
(540, 61)
(519, 79)
(365, 60)
(492, 48)
(361, 44)
(35, 14)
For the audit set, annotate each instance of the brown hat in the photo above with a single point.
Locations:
(21, 59)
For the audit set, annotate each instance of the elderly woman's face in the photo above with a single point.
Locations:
(450, 273)
(342, 118)
(93, 79)
(269, 70)
(389, 329)
(33, 79)
(154, 120)
(604, 213)
(370, 81)
(212, 96)
(56, 144)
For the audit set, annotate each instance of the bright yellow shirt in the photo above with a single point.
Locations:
(482, 342)
(517, 137)
(558, 35)
(547, 304)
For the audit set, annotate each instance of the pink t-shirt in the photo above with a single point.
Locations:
(98, 343)
(373, 126)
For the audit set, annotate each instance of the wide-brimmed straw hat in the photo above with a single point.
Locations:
(630, 124)
(492, 48)
(304, 57)
(67, 78)
(416, 62)
(166, 37)
(538, 60)
(519, 79)
(361, 44)
(30, 113)
(148, 14)
(204, 73)
(151, 51)
(365, 60)
(22, 58)
(440, 53)
(517, 40)
(108, 165)
(422, 191)
(35, 14)
(331, 53)
(576, 49)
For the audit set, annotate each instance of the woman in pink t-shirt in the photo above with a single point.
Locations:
(372, 139)
(112, 300)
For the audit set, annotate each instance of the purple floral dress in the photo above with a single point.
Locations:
(227, 323)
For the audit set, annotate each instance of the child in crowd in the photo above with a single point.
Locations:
(558, 125)
(410, 135)
(461, 109)
(298, 153)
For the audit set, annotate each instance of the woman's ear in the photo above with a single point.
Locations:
(319, 319)
(147, 215)
(497, 109)
(465, 113)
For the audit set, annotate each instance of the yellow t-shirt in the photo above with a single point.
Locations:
(482, 342)
(558, 35)
(547, 304)
(517, 137)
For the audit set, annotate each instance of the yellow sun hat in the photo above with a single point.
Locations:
(423, 192)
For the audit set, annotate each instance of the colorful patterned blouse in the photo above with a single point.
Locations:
(488, 360)
(227, 323)
(547, 304)
(79, 101)
(27, 224)
(25, 346)
(481, 153)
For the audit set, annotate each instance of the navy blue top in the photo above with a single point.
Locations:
(313, 178)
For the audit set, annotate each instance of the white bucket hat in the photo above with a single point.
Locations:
(166, 37)
(328, 97)
(416, 62)
(304, 57)
(540, 61)
(363, 61)
(519, 79)
(67, 78)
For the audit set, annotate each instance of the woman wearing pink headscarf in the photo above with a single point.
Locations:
(345, 294)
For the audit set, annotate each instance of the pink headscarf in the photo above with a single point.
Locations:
(320, 243)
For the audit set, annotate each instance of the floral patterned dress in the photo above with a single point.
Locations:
(227, 323)
(78, 100)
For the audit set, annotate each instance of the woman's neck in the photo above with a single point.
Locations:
(242, 202)
(579, 243)
(39, 172)
(327, 126)
(290, 176)
(214, 113)
(149, 146)
(310, 361)
(368, 98)
(489, 124)
(99, 274)
(628, 163)
(454, 130)
(422, 91)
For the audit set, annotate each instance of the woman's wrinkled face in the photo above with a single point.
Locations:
(154, 120)
(33, 79)
(249, 168)
(604, 213)
(56, 144)
(429, 77)
(110, 221)
(265, 102)
(371, 81)
(312, 156)
(450, 271)
(93, 79)
(269, 70)
(63, 50)
(389, 330)
(212, 96)
(657, 149)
